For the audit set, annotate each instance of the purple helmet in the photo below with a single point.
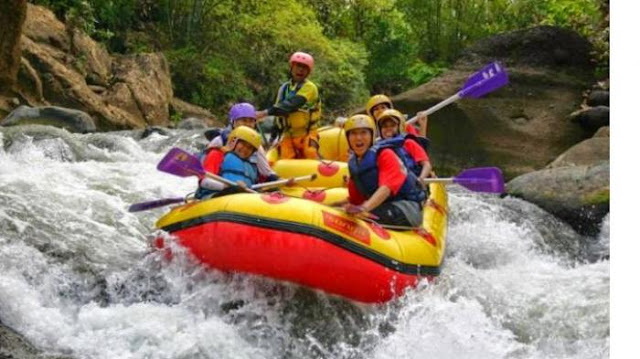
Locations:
(240, 110)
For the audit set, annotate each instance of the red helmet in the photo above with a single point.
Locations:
(302, 58)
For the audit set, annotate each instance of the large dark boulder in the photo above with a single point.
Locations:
(588, 152)
(598, 98)
(592, 118)
(521, 127)
(70, 119)
(578, 195)
(541, 46)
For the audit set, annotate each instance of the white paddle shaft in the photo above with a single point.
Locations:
(283, 181)
(227, 182)
(435, 108)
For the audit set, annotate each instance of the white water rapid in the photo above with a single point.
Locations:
(77, 278)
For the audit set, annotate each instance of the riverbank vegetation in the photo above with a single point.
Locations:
(221, 51)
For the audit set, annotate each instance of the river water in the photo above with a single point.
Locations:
(77, 277)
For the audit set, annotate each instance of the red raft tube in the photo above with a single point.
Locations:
(311, 244)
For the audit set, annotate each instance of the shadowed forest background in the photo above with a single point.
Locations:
(221, 51)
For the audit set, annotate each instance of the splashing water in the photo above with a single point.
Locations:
(77, 277)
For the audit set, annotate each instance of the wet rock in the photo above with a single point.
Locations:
(602, 132)
(591, 119)
(520, 127)
(185, 110)
(155, 129)
(585, 153)
(72, 120)
(192, 123)
(579, 195)
(598, 98)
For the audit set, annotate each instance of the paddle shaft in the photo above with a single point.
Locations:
(438, 180)
(438, 106)
(283, 181)
(144, 206)
(227, 182)
(488, 79)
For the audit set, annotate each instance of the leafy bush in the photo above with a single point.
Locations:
(225, 51)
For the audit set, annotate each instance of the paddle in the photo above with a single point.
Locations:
(144, 206)
(182, 163)
(489, 78)
(284, 181)
(482, 179)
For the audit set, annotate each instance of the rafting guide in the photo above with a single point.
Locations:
(298, 110)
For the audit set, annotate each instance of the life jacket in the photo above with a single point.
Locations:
(424, 142)
(365, 174)
(304, 118)
(235, 169)
(397, 144)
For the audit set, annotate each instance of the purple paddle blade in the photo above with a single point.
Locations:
(181, 163)
(483, 179)
(491, 77)
(143, 206)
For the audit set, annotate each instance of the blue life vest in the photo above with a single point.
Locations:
(365, 174)
(397, 144)
(235, 169)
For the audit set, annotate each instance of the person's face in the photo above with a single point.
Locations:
(243, 149)
(245, 121)
(360, 139)
(388, 128)
(299, 71)
(377, 109)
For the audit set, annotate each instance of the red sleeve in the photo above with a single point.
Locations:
(411, 129)
(213, 160)
(391, 172)
(355, 197)
(416, 151)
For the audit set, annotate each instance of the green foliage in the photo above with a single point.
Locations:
(175, 118)
(224, 51)
(420, 72)
(341, 78)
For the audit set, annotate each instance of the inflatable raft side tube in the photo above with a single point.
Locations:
(293, 227)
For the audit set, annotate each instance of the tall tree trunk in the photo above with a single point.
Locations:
(12, 16)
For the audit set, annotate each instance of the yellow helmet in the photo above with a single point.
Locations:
(395, 115)
(359, 121)
(375, 101)
(247, 134)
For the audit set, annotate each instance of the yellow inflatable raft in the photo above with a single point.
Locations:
(309, 243)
